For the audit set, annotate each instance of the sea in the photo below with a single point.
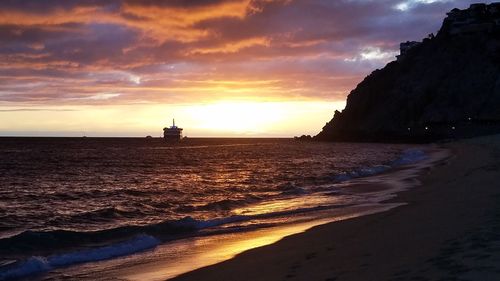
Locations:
(71, 201)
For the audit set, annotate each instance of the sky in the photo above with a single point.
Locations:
(228, 68)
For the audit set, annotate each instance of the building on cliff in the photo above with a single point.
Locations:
(404, 47)
(477, 18)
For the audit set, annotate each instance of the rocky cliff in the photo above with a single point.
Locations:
(446, 86)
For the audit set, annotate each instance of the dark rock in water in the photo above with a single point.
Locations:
(303, 138)
(448, 86)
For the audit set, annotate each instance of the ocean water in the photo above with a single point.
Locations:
(65, 201)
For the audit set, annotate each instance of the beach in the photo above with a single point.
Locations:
(249, 140)
(429, 215)
(448, 230)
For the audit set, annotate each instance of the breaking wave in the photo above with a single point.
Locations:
(37, 264)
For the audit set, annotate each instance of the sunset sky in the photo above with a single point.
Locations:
(220, 67)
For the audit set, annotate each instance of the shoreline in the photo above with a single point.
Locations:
(209, 251)
(171, 259)
(446, 230)
(213, 250)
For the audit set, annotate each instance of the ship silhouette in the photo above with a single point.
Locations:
(172, 133)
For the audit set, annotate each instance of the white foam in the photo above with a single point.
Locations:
(139, 243)
(362, 172)
(40, 264)
(201, 224)
(30, 266)
(410, 156)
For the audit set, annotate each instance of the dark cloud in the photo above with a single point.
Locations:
(176, 3)
(10, 33)
(47, 6)
(35, 109)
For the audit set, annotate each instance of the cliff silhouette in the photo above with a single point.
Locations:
(447, 86)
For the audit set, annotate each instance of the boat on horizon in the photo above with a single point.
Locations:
(172, 133)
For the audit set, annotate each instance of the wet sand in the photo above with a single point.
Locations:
(449, 230)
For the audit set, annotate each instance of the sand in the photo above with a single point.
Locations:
(449, 230)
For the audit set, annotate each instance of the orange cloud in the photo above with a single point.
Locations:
(153, 51)
(231, 47)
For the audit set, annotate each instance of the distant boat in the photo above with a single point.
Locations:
(173, 134)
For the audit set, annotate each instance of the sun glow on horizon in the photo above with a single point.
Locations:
(258, 118)
(239, 117)
(223, 118)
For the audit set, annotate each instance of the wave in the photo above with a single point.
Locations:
(222, 205)
(226, 205)
(289, 188)
(150, 236)
(109, 213)
(46, 241)
(128, 239)
(362, 172)
(49, 240)
(38, 264)
(409, 156)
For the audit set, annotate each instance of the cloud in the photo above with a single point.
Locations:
(150, 51)
(35, 109)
